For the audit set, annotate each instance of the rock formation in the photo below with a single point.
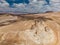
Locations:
(30, 29)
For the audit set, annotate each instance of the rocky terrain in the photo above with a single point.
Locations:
(30, 29)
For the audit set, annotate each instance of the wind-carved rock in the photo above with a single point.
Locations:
(7, 20)
(29, 30)
(41, 34)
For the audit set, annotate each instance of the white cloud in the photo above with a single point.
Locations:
(21, 5)
(35, 6)
(55, 0)
(32, 7)
(3, 3)
(55, 5)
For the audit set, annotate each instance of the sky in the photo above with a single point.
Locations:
(29, 6)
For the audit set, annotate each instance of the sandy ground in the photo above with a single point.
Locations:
(23, 22)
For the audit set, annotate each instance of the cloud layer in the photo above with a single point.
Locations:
(34, 6)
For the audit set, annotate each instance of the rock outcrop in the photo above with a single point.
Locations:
(30, 29)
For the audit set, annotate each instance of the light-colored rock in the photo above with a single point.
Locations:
(32, 29)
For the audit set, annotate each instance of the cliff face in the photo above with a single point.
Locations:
(30, 29)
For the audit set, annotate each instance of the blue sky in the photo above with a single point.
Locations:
(11, 2)
(29, 6)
